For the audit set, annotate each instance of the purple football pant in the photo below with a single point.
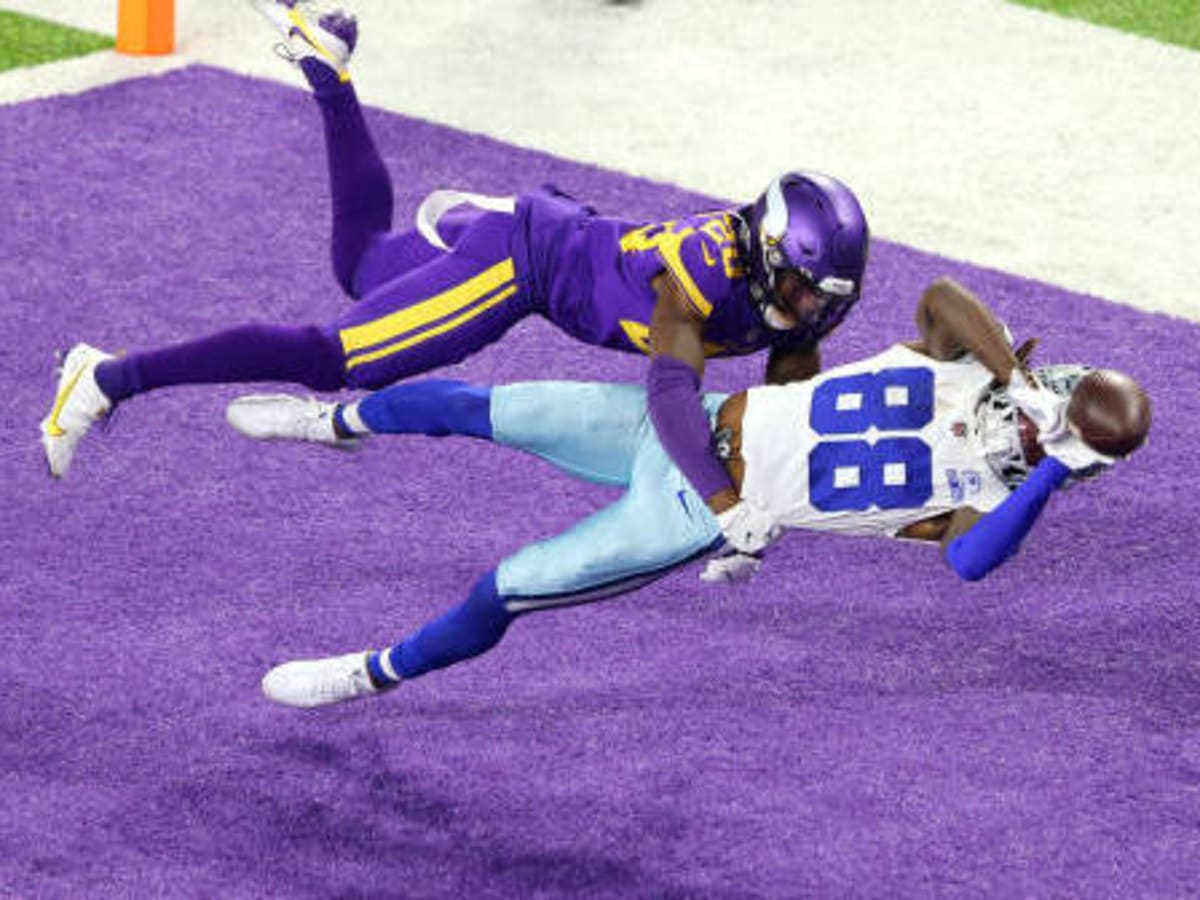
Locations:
(436, 308)
(446, 308)
(421, 307)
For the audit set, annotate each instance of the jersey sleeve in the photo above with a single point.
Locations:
(696, 260)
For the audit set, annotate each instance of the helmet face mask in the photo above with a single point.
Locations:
(796, 300)
(809, 226)
(1061, 378)
(1005, 437)
(1009, 438)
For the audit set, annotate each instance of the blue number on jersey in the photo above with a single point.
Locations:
(891, 400)
(892, 473)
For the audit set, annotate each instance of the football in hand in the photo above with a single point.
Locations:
(1110, 412)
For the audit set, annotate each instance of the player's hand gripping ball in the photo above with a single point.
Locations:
(1109, 412)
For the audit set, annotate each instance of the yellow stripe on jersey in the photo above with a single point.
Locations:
(671, 256)
(389, 327)
(639, 336)
(668, 242)
(433, 332)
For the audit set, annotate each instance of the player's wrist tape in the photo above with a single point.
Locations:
(996, 536)
(673, 398)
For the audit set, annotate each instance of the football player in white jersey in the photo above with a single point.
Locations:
(949, 438)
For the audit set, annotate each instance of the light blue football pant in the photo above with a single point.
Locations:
(597, 432)
(603, 434)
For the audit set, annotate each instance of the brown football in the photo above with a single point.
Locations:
(1110, 412)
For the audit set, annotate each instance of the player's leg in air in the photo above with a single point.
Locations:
(598, 432)
(422, 306)
(365, 252)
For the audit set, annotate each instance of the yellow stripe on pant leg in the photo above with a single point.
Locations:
(395, 324)
(433, 332)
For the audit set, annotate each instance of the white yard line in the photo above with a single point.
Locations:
(971, 128)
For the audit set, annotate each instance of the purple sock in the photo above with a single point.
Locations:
(359, 183)
(318, 73)
(305, 355)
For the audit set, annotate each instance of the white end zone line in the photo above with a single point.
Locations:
(82, 73)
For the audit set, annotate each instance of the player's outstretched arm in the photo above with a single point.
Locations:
(974, 544)
(676, 409)
(673, 394)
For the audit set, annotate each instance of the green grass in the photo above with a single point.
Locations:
(25, 41)
(1170, 21)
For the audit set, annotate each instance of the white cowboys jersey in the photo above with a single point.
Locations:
(870, 447)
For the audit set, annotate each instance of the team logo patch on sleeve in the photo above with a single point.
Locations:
(963, 483)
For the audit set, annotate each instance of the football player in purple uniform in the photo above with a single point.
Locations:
(776, 275)
(948, 439)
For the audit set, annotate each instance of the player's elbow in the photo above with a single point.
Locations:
(967, 565)
(969, 572)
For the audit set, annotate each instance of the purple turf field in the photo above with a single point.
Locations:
(857, 723)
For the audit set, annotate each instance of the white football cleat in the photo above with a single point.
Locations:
(308, 683)
(274, 417)
(312, 30)
(78, 404)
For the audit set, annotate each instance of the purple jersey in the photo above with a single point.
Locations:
(592, 274)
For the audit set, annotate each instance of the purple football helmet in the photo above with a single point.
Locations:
(813, 225)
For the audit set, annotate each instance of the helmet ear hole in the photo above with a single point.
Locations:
(844, 246)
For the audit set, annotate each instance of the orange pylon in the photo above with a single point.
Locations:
(145, 27)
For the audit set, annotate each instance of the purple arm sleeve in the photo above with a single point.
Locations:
(673, 397)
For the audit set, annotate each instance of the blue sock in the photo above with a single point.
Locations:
(433, 407)
(471, 628)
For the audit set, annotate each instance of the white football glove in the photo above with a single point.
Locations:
(748, 528)
(1046, 409)
(731, 568)
(1071, 450)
